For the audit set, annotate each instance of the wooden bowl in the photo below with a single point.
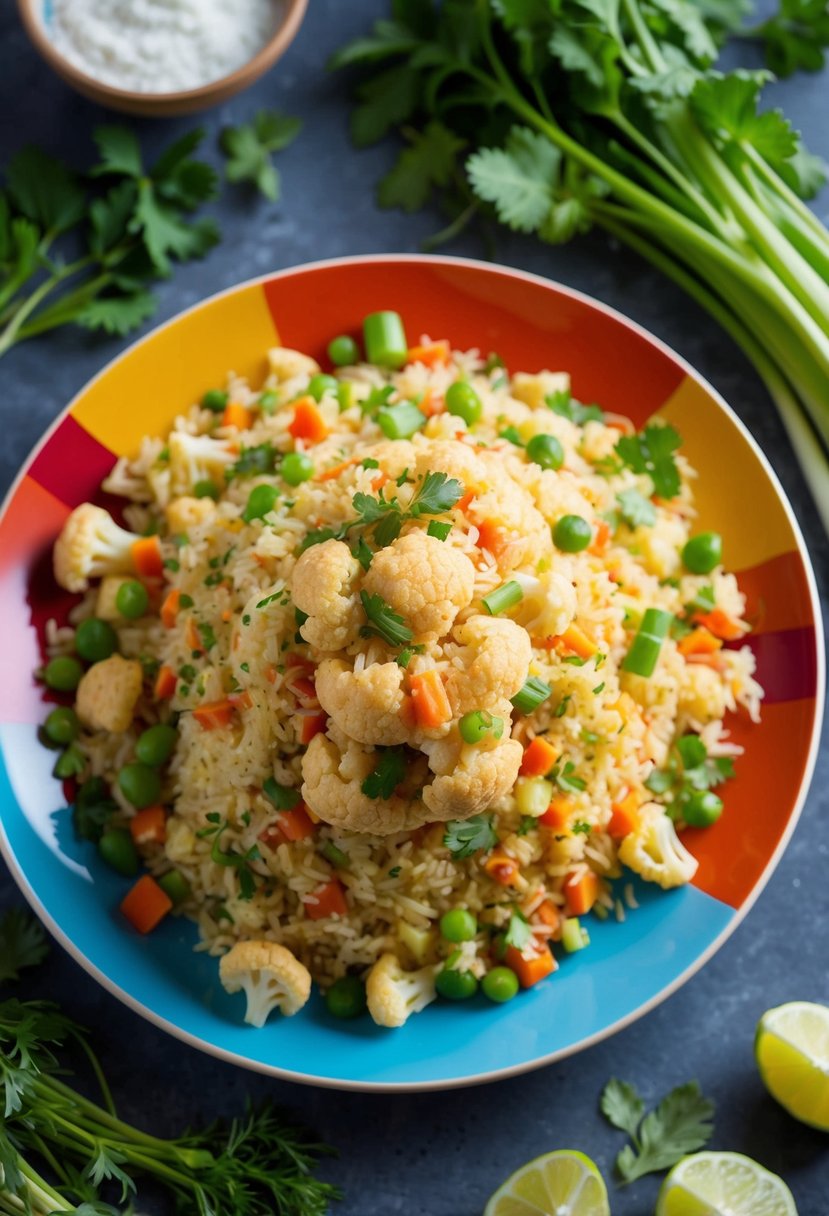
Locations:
(184, 101)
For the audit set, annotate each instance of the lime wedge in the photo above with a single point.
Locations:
(792, 1053)
(563, 1183)
(723, 1184)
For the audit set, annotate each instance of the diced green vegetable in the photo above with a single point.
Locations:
(701, 808)
(343, 351)
(283, 797)
(95, 640)
(176, 886)
(336, 856)
(155, 745)
(500, 985)
(346, 998)
(455, 985)
(261, 501)
(385, 340)
(296, 468)
(118, 851)
(140, 784)
(205, 488)
(215, 400)
(572, 533)
(62, 726)
(644, 652)
(503, 598)
(400, 421)
(534, 693)
(480, 724)
(438, 529)
(573, 936)
(320, 384)
(546, 450)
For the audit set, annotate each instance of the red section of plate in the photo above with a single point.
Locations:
(529, 327)
(71, 463)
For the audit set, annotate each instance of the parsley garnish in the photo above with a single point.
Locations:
(561, 402)
(387, 774)
(283, 797)
(580, 828)
(363, 553)
(253, 461)
(250, 147)
(689, 768)
(394, 872)
(527, 824)
(518, 934)
(679, 1125)
(651, 451)
(93, 809)
(635, 509)
(565, 779)
(22, 943)
(463, 837)
(383, 621)
(206, 634)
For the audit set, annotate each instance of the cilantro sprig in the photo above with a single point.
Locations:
(689, 769)
(463, 837)
(22, 943)
(679, 1125)
(651, 451)
(383, 621)
(249, 150)
(386, 775)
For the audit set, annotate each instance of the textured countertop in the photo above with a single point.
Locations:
(442, 1154)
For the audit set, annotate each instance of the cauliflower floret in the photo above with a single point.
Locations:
(456, 460)
(108, 693)
(333, 773)
(364, 704)
(476, 778)
(489, 664)
(195, 458)
(270, 976)
(185, 513)
(394, 456)
(324, 584)
(703, 695)
(106, 605)
(533, 389)
(654, 850)
(423, 580)
(393, 994)
(90, 545)
(549, 604)
(286, 364)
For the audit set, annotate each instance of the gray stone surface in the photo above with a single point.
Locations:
(441, 1155)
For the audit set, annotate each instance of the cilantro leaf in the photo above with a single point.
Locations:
(119, 150)
(463, 837)
(651, 451)
(165, 234)
(622, 1106)
(727, 106)
(249, 147)
(45, 191)
(22, 943)
(427, 163)
(518, 934)
(435, 494)
(370, 509)
(253, 461)
(635, 509)
(117, 314)
(795, 37)
(520, 179)
(679, 1125)
(383, 621)
(385, 100)
(386, 775)
(567, 407)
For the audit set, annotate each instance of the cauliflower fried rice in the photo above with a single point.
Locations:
(402, 680)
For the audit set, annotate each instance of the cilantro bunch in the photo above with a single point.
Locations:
(554, 116)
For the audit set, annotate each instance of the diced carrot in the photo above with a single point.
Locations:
(624, 816)
(720, 624)
(192, 636)
(502, 869)
(288, 826)
(379, 480)
(539, 757)
(701, 641)
(149, 826)
(549, 914)
(600, 540)
(146, 557)
(165, 683)
(492, 537)
(463, 503)
(270, 673)
(308, 423)
(431, 703)
(429, 353)
(336, 470)
(145, 904)
(431, 404)
(530, 969)
(329, 900)
(214, 714)
(312, 725)
(238, 416)
(582, 894)
(557, 814)
(576, 639)
(170, 607)
(302, 687)
(240, 700)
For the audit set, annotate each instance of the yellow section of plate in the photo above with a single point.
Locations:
(142, 392)
(735, 496)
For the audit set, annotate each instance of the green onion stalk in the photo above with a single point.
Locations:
(557, 115)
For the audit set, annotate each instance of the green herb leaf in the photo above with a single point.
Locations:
(387, 773)
(651, 451)
(518, 934)
(435, 494)
(253, 462)
(117, 314)
(119, 151)
(463, 837)
(635, 509)
(796, 37)
(383, 621)
(45, 191)
(22, 943)
(428, 163)
(562, 403)
(622, 1106)
(250, 146)
(520, 179)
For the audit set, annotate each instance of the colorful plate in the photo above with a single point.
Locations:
(630, 966)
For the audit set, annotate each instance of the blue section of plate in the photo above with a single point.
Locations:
(627, 966)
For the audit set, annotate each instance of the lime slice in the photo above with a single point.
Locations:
(723, 1184)
(563, 1183)
(792, 1053)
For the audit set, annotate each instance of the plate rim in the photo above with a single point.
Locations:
(737, 914)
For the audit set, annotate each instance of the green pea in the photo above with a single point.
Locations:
(118, 851)
(155, 744)
(500, 984)
(702, 553)
(546, 450)
(702, 808)
(95, 640)
(140, 784)
(346, 998)
(62, 726)
(261, 500)
(176, 886)
(132, 599)
(215, 400)
(321, 384)
(63, 674)
(343, 351)
(70, 763)
(464, 402)
(458, 925)
(206, 489)
(297, 467)
(455, 985)
(572, 533)
(267, 402)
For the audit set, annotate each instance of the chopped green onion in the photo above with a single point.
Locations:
(474, 727)
(503, 598)
(534, 693)
(320, 384)
(643, 655)
(573, 936)
(336, 856)
(385, 340)
(400, 421)
(283, 797)
(438, 529)
(345, 393)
